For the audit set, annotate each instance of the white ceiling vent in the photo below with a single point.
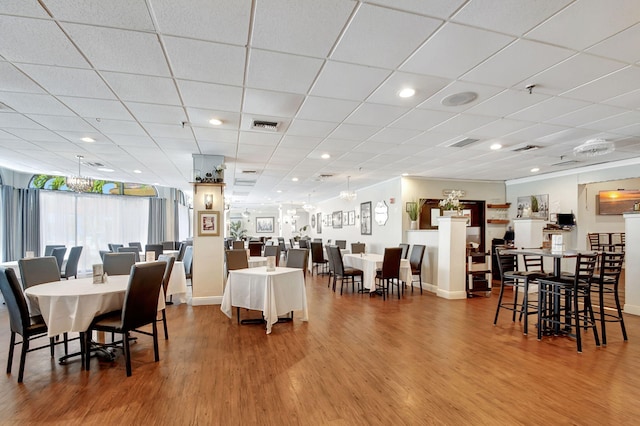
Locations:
(565, 163)
(527, 148)
(269, 126)
(464, 142)
(323, 177)
(249, 172)
(93, 164)
(244, 182)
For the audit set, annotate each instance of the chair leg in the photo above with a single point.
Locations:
(495, 320)
(127, 351)
(525, 307)
(621, 318)
(592, 318)
(12, 345)
(603, 325)
(23, 357)
(156, 351)
(164, 324)
(576, 312)
(65, 340)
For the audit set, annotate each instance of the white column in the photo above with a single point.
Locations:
(452, 240)
(632, 266)
(528, 232)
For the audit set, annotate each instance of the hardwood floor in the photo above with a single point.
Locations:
(359, 360)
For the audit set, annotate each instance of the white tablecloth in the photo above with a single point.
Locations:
(255, 261)
(13, 265)
(71, 305)
(369, 262)
(274, 293)
(177, 283)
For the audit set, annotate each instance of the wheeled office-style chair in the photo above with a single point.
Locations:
(140, 308)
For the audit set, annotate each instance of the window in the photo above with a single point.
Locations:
(58, 183)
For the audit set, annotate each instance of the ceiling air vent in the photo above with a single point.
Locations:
(244, 182)
(527, 148)
(270, 126)
(93, 164)
(249, 172)
(565, 163)
(464, 142)
(323, 177)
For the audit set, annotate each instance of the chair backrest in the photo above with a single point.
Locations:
(156, 248)
(168, 245)
(141, 299)
(14, 298)
(236, 259)
(585, 267)
(187, 260)
(170, 260)
(182, 249)
(298, 258)
(137, 245)
(357, 248)
(238, 245)
(594, 241)
(405, 249)
(48, 250)
(273, 251)
(533, 263)
(38, 270)
(133, 250)
(417, 254)
(610, 267)
(336, 259)
(317, 240)
(303, 243)
(391, 262)
(332, 268)
(102, 253)
(341, 243)
(114, 247)
(316, 252)
(280, 239)
(59, 253)
(506, 262)
(292, 243)
(282, 245)
(255, 249)
(71, 268)
(118, 263)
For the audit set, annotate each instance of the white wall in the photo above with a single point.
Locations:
(587, 202)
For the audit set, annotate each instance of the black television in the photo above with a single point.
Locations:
(566, 219)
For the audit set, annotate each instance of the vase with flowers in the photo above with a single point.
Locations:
(218, 172)
(452, 202)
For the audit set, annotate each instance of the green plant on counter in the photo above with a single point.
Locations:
(236, 231)
(414, 210)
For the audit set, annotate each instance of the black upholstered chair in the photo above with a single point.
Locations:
(415, 260)
(272, 251)
(341, 273)
(170, 260)
(140, 308)
(38, 270)
(298, 258)
(405, 250)
(342, 244)
(389, 274)
(317, 257)
(156, 248)
(255, 248)
(357, 248)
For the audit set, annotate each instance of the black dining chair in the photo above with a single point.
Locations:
(38, 270)
(357, 248)
(405, 250)
(255, 248)
(272, 251)
(343, 273)
(415, 261)
(341, 243)
(317, 257)
(140, 308)
(389, 275)
(606, 282)
(71, 267)
(170, 260)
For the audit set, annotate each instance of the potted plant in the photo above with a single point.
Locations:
(236, 231)
(413, 210)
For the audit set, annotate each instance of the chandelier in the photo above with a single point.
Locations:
(79, 183)
(308, 207)
(594, 147)
(246, 213)
(348, 195)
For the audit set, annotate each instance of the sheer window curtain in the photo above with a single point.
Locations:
(92, 221)
(157, 220)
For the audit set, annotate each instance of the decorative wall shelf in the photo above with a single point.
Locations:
(499, 206)
(498, 221)
(197, 184)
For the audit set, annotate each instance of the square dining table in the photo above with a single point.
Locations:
(275, 293)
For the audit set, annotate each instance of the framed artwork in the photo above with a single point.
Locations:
(617, 201)
(319, 224)
(351, 217)
(536, 206)
(313, 220)
(365, 218)
(208, 223)
(264, 225)
(337, 219)
(329, 221)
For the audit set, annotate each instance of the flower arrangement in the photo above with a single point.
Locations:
(452, 202)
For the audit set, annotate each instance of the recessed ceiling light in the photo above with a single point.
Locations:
(137, 171)
(325, 156)
(88, 139)
(295, 179)
(104, 169)
(279, 191)
(458, 99)
(535, 169)
(215, 122)
(405, 174)
(407, 92)
(496, 146)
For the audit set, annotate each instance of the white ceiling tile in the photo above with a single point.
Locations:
(614, 122)
(620, 46)
(630, 100)
(96, 108)
(586, 115)
(210, 96)
(37, 135)
(215, 135)
(482, 91)
(347, 81)
(110, 49)
(461, 124)
(618, 83)
(173, 143)
(11, 120)
(509, 100)
(119, 127)
(218, 148)
(382, 37)
(306, 27)
(114, 13)
(13, 80)
(150, 113)
(393, 135)
(174, 131)
(271, 103)
(69, 81)
(425, 86)
(299, 142)
(422, 119)
(534, 132)
(498, 128)
(23, 8)
(517, 62)
(200, 118)
(586, 22)
(260, 138)
(325, 109)
(141, 88)
(133, 140)
(29, 103)
(281, 71)
(311, 128)
(508, 16)
(53, 122)
(333, 145)
(224, 21)
(455, 49)
(548, 109)
(37, 41)
(375, 114)
(439, 8)
(354, 131)
(206, 61)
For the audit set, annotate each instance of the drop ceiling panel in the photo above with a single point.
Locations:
(548, 109)
(629, 100)
(188, 145)
(498, 128)
(96, 108)
(69, 81)
(617, 83)
(439, 9)
(505, 102)
(463, 123)
(382, 37)
(28, 103)
(394, 135)
(482, 91)
(454, 50)
(142, 88)
(348, 81)
(11, 120)
(425, 86)
(151, 113)
(206, 61)
(21, 8)
(260, 139)
(375, 114)
(218, 148)
(311, 128)
(110, 49)
(305, 27)
(354, 131)
(210, 96)
(200, 118)
(281, 71)
(133, 140)
(115, 13)
(216, 135)
(119, 127)
(325, 109)
(53, 122)
(618, 46)
(175, 131)
(422, 119)
(12, 79)
(269, 103)
(586, 115)
(627, 119)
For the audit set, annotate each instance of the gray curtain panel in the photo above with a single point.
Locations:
(21, 221)
(157, 220)
(175, 201)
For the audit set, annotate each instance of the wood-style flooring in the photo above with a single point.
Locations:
(420, 360)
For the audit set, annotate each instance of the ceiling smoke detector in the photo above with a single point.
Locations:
(458, 99)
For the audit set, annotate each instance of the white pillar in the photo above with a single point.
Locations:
(452, 241)
(528, 232)
(632, 266)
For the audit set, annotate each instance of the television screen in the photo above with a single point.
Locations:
(566, 219)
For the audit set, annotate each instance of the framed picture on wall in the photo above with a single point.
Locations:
(365, 218)
(313, 221)
(319, 223)
(351, 217)
(208, 223)
(264, 225)
(337, 219)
